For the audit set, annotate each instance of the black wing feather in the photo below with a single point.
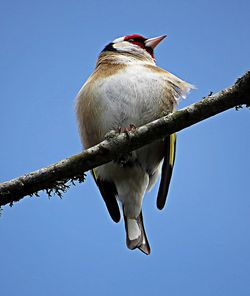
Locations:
(167, 169)
(109, 192)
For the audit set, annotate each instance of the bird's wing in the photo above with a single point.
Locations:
(108, 192)
(167, 169)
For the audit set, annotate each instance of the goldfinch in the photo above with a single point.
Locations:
(128, 89)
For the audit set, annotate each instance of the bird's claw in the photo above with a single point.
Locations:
(126, 130)
(122, 159)
(112, 133)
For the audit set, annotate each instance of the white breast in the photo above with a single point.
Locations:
(133, 96)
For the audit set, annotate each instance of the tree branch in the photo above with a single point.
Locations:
(54, 178)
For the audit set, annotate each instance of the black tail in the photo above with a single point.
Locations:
(136, 235)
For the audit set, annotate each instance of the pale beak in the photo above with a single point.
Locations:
(153, 42)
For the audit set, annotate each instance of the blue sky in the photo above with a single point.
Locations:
(200, 242)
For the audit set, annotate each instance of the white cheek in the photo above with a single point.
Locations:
(123, 46)
(117, 40)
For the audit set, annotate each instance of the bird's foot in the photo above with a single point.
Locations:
(126, 130)
(127, 158)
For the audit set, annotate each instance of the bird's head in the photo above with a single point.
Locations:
(134, 44)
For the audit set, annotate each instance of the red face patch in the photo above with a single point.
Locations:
(134, 36)
(136, 39)
(139, 41)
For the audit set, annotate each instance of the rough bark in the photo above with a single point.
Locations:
(55, 177)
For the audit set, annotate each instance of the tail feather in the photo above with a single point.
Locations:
(136, 235)
(144, 247)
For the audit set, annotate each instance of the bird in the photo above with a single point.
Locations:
(127, 90)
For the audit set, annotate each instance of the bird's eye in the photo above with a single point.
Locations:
(131, 40)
